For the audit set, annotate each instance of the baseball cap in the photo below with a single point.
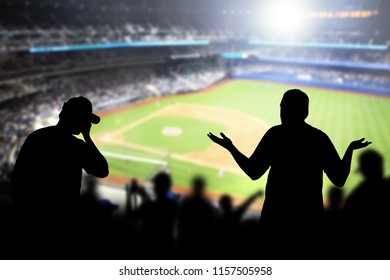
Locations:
(80, 107)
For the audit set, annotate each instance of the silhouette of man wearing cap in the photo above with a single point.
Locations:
(297, 155)
(46, 178)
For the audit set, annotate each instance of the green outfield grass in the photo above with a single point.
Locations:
(343, 116)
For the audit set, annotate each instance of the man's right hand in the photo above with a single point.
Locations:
(86, 129)
(224, 141)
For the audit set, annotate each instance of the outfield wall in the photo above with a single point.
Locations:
(292, 78)
(132, 99)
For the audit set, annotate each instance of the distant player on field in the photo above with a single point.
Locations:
(297, 155)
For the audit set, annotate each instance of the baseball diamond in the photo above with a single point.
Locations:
(242, 109)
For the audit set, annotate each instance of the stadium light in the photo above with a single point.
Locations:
(285, 17)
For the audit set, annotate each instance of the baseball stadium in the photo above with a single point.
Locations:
(161, 76)
(170, 132)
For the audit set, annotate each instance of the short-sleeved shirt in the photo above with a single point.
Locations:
(297, 157)
(48, 170)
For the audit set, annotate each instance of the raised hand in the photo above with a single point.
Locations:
(224, 141)
(359, 144)
(86, 129)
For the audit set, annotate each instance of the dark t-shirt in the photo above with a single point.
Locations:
(48, 170)
(297, 156)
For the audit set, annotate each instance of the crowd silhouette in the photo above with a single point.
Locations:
(52, 220)
(367, 209)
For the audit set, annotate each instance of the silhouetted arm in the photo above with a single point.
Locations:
(254, 166)
(94, 162)
(131, 189)
(338, 170)
(242, 208)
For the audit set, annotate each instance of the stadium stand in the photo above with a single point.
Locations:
(114, 54)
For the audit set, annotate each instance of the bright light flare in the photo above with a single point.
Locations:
(285, 17)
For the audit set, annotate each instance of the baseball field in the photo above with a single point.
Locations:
(171, 132)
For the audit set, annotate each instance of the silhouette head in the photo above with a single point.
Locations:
(225, 204)
(198, 185)
(294, 107)
(371, 165)
(77, 112)
(162, 184)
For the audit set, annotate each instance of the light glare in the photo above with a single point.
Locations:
(285, 17)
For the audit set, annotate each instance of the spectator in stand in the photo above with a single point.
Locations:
(197, 222)
(228, 234)
(157, 218)
(367, 210)
(46, 179)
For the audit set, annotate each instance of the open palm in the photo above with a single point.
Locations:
(359, 144)
(224, 141)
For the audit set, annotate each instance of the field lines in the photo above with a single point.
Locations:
(172, 155)
(344, 116)
(119, 132)
(134, 158)
(236, 124)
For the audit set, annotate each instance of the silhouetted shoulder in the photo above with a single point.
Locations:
(299, 127)
(36, 135)
(289, 133)
(52, 131)
(51, 153)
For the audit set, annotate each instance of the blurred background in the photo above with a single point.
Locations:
(118, 53)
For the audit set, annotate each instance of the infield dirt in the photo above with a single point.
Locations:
(244, 130)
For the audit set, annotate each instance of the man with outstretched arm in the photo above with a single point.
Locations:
(297, 155)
